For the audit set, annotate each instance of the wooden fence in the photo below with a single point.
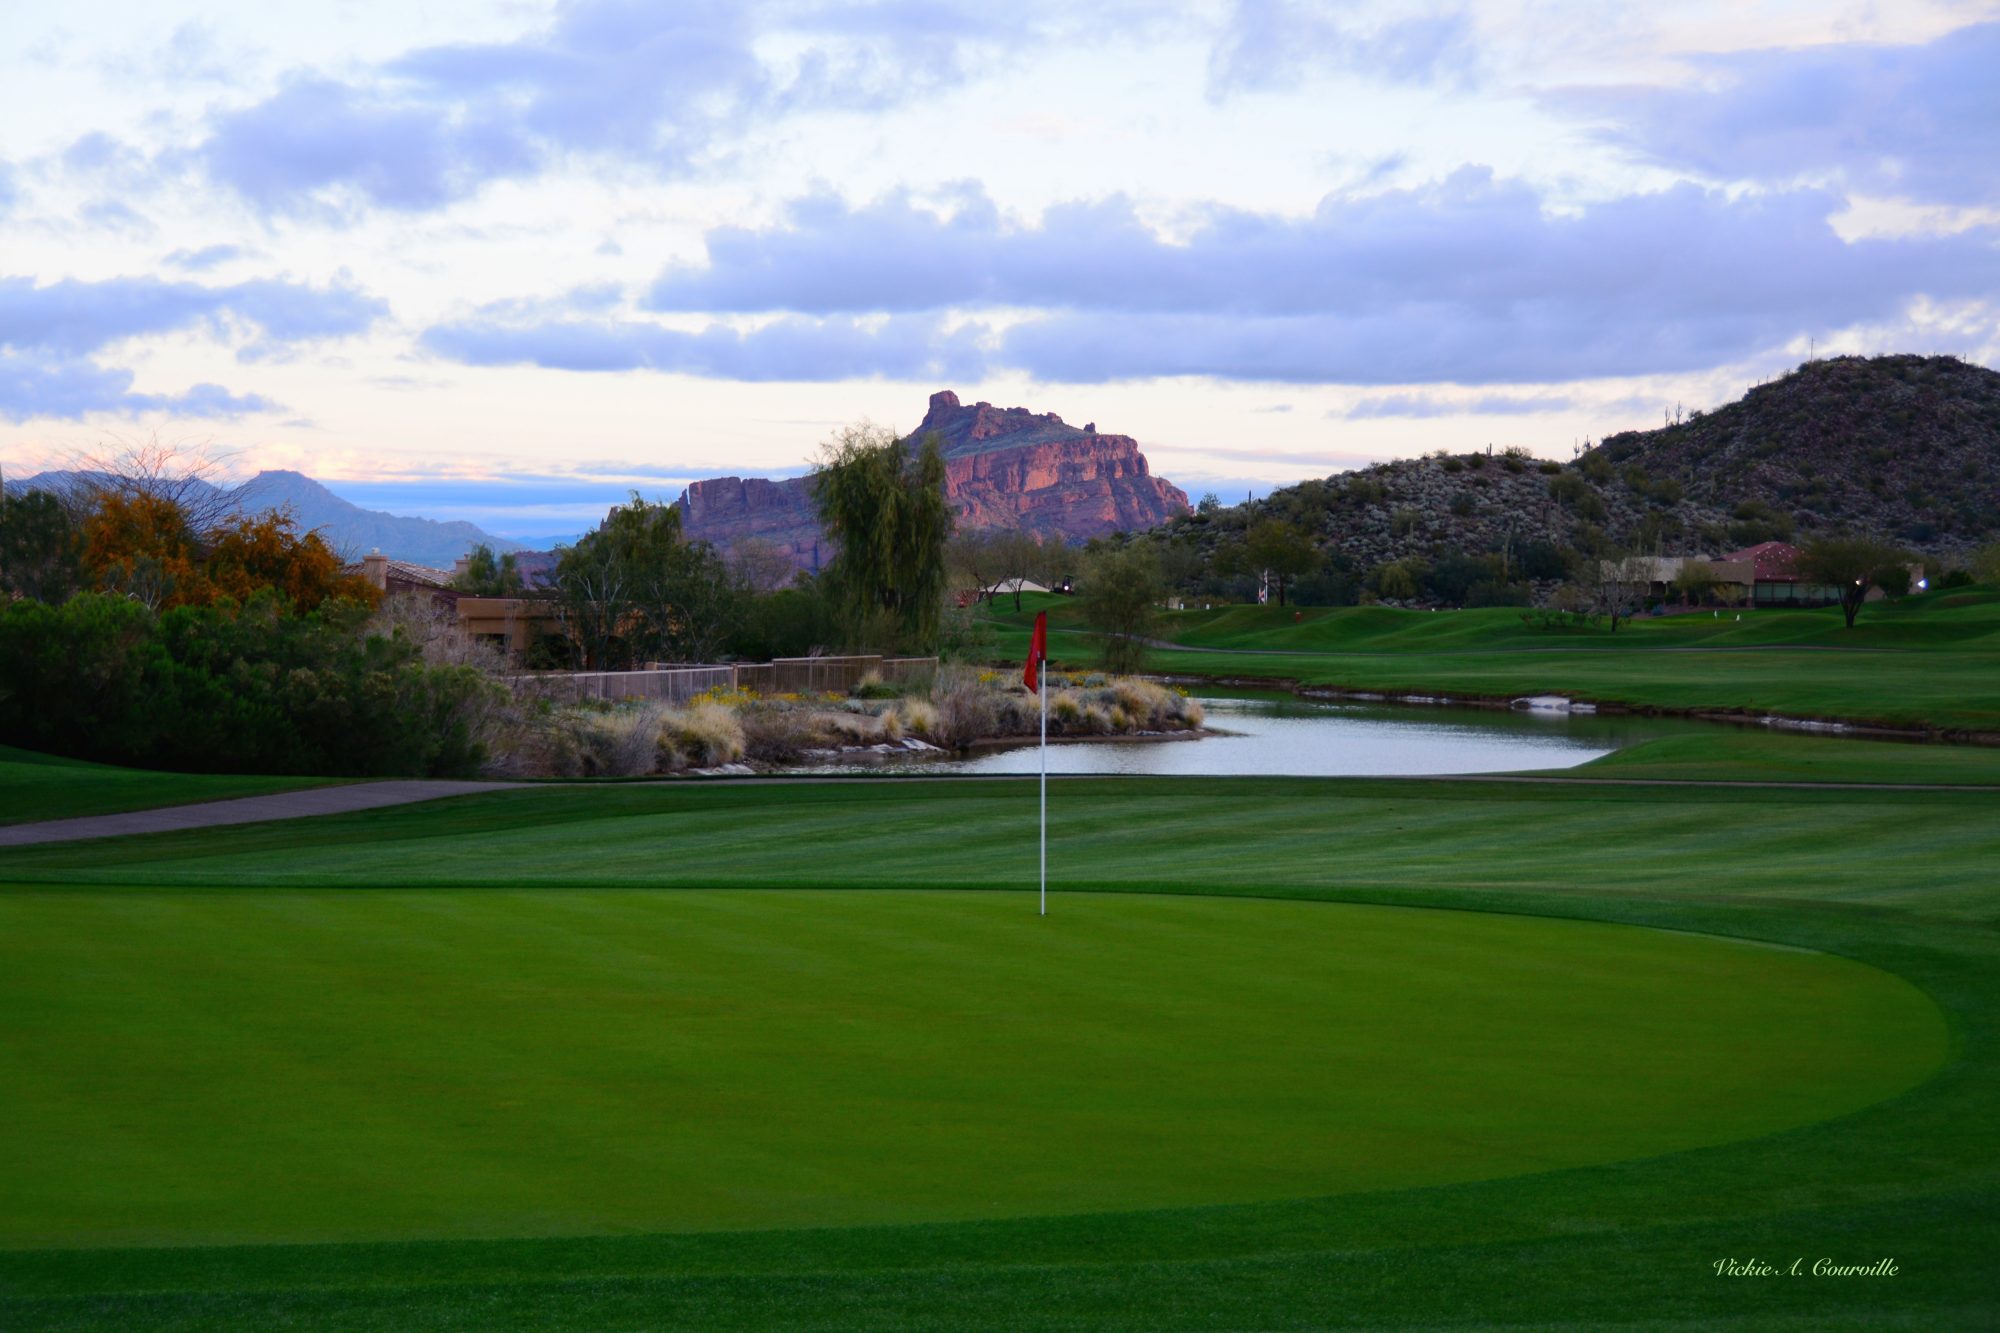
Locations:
(675, 685)
(678, 684)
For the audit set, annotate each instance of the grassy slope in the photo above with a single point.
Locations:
(1901, 880)
(1930, 661)
(38, 786)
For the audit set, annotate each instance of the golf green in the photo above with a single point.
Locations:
(192, 1067)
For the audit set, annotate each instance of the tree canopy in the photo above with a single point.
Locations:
(1119, 595)
(884, 506)
(1853, 565)
(634, 590)
(488, 575)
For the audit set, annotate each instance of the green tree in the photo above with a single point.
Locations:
(41, 553)
(1281, 550)
(1119, 595)
(1851, 566)
(487, 575)
(885, 508)
(633, 590)
(1696, 581)
(1394, 578)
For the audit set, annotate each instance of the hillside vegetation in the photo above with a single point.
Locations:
(1902, 448)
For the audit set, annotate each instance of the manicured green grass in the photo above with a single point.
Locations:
(1900, 881)
(1754, 756)
(1917, 850)
(1931, 661)
(327, 1066)
(38, 786)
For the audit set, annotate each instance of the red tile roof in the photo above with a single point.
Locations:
(1774, 562)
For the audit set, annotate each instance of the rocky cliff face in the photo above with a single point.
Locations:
(1004, 468)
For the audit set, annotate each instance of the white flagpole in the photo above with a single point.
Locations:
(1042, 680)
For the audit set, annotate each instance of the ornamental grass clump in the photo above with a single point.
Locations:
(614, 743)
(915, 717)
(703, 735)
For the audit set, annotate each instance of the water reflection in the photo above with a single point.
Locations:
(1291, 737)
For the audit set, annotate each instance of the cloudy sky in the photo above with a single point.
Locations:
(504, 260)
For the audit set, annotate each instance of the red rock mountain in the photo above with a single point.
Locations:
(1004, 468)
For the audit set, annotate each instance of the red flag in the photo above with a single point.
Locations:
(1038, 650)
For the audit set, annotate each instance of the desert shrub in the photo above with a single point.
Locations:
(1394, 578)
(780, 735)
(1495, 592)
(872, 686)
(964, 708)
(917, 717)
(624, 742)
(1543, 560)
(707, 734)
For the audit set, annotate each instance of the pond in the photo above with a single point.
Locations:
(1286, 736)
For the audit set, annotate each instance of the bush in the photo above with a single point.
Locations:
(965, 708)
(237, 689)
(916, 717)
(778, 734)
(707, 734)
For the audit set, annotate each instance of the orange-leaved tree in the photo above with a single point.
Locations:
(246, 554)
(143, 545)
(146, 546)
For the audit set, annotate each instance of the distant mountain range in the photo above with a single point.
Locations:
(343, 525)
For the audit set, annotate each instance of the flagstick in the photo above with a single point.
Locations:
(1042, 679)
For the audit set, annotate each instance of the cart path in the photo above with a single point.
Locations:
(338, 800)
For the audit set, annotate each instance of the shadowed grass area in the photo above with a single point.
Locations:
(1931, 661)
(1900, 881)
(39, 786)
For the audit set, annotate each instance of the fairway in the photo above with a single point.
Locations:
(312, 1065)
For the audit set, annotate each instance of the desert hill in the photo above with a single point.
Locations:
(1902, 447)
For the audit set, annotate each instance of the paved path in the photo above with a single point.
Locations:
(245, 810)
